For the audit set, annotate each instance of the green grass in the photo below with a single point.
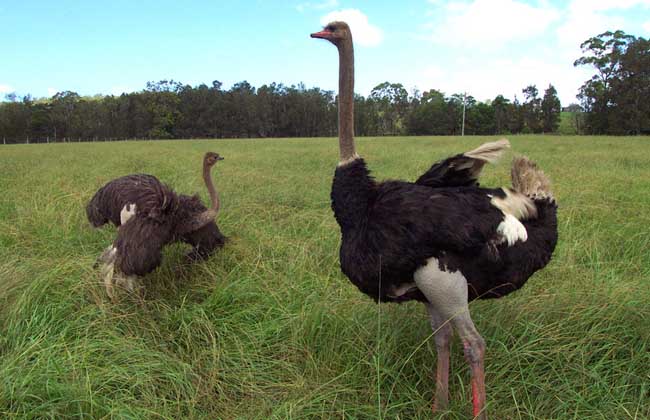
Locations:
(567, 124)
(269, 328)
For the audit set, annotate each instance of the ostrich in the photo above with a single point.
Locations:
(150, 215)
(442, 240)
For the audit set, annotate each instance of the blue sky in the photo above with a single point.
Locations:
(484, 47)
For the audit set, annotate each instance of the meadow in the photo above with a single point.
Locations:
(269, 328)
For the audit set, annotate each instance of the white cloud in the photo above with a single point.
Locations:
(364, 33)
(326, 4)
(6, 89)
(590, 6)
(478, 39)
(485, 79)
(578, 27)
(587, 18)
(490, 24)
(51, 91)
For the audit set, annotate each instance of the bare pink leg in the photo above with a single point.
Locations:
(474, 353)
(442, 336)
(446, 292)
(474, 347)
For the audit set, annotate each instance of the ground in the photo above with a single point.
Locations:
(269, 328)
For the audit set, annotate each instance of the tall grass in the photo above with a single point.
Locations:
(269, 328)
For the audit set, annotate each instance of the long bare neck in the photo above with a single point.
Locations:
(346, 101)
(207, 216)
(214, 197)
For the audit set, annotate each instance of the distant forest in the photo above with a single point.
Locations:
(613, 101)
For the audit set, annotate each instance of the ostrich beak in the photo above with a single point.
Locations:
(322, 35)
(220, 158)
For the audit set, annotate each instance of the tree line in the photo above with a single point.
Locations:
(613, 101)
(168, 109)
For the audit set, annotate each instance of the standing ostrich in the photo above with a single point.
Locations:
(442, 240)
(149, 215)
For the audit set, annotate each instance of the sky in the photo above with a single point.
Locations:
(482, 47)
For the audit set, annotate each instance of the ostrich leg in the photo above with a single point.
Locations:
(447, 293)
(474, 347)
(442, 335)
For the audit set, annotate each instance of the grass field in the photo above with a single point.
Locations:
(269, 328)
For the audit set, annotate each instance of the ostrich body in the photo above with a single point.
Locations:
(442, 240)
(150, 215)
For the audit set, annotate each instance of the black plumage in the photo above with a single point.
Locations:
(441, 240)
(455, 171)
(390, 229)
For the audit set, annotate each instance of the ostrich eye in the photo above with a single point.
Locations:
(330, 28)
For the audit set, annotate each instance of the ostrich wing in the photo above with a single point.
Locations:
(139, 245)
(463, 169)
(416, 219)
(153, 198)
(456, 171)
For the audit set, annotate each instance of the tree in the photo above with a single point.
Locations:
(603, 53)
(15, 118)
(61, 115)
(502, 113)
(532, 110)
(161, 102)
(630, 111)
(551, 109)
(480, 119)
(392, 101)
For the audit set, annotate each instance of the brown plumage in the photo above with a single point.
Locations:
(149, 215)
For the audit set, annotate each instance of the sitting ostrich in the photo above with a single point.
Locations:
(150, 215)
(442, 240)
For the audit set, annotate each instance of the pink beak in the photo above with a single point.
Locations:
(321, 34)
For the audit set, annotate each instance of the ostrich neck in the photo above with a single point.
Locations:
(346, 101)
(352, 186)
(206, 216)
(214, 197)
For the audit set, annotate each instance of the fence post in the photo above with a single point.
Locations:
(27, 139)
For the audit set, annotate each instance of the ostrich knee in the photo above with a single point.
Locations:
(447, 293)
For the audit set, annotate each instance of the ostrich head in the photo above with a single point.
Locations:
(211, 158)
(335, 32)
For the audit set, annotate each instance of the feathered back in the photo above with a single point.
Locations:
(152, 198)
(463, 169)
